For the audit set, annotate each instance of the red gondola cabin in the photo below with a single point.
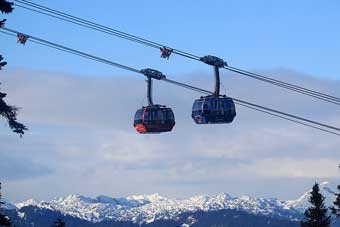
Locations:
(154, 119)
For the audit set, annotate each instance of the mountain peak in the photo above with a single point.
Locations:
(155, 197)
(224, 195)
(30, 202)
(148, 208)
(73, 198)
(302, 203)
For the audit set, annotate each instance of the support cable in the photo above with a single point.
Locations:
(158, 75)
(92, 25)
(96, 26)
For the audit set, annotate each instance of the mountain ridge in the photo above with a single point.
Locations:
(149, 208)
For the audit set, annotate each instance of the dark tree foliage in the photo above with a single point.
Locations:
(10, 112)
(2, 63)
(316, 214)
(336, 208)
(4, 220)
(7, 111)
(59, 223)
(6, 7)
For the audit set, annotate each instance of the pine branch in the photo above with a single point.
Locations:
(10, 112)
(6, 7)
(2, 63)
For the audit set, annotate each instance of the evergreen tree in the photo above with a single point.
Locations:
(6, 7)
(316, 214)
(7, 111)
(59, 223)
(10, 113)
(336, 208)
(4, 220)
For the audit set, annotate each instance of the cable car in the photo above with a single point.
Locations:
(153, 118)
(215, 108)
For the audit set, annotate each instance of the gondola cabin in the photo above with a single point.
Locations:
(213, 110)
(154, 119)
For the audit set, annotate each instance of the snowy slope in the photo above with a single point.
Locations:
(8, 206)
(327, 189)
(154, 207)
(148, 208)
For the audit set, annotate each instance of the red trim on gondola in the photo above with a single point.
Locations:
(140, 128)
(146, 124)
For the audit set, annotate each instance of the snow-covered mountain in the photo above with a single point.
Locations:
(148, 208)
(327, 189)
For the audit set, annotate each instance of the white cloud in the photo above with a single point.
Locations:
(290, 167)
(81, 131)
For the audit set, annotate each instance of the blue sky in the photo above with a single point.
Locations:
(72, 148)
(298, 35)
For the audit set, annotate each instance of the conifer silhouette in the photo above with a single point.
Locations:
(336, 208)
(10, 113)
(316, 214)
(7, 111)
(4, 220)
(6, 7)
(2, 63)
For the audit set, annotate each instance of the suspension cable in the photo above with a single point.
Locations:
(79, 53)
(187, 86)
(260, 108)
(286, 118)
(86, 23)
(97, 26)
(315, 94)
(239, 101)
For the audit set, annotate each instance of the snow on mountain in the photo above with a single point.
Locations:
(30, 202)
(147, 198)
(327, 189)
(148, 208)
(8, 206)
